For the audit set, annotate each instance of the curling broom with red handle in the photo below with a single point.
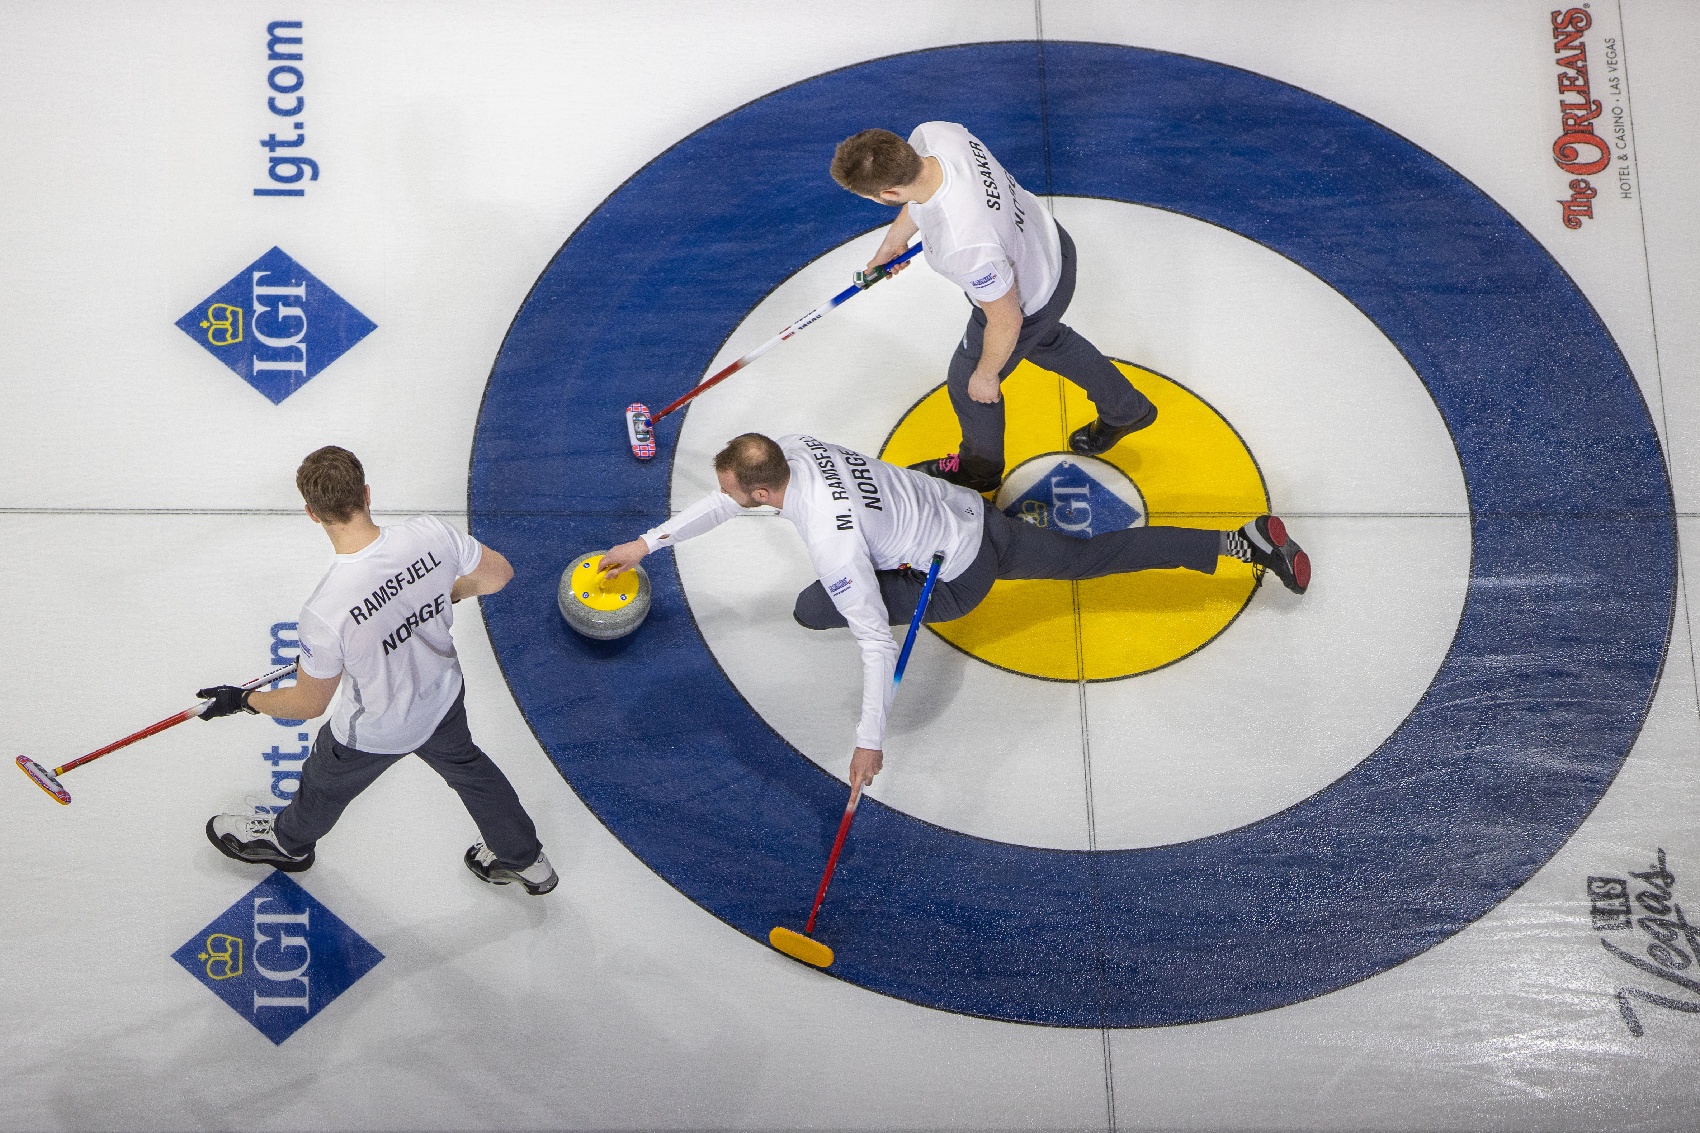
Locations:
(801, 945)
(640, 423)
(49, 780)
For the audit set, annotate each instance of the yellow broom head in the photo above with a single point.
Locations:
(800, 947)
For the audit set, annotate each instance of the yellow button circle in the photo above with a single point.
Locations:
(601, 593)
(1193, 470)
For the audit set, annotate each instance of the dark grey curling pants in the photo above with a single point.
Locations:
(1014, 548)
(333, 774)
(1048, 342)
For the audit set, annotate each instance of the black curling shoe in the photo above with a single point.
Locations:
(975, 475)
(1096, 438)
(1276, 552)
(250, 838)
(538, 878)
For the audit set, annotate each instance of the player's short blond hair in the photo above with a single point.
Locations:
(333, 483)
(755, 462)
(873, 160)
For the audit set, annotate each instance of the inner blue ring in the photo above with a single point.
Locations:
(1526, 723)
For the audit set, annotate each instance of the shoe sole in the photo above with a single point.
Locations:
(1298, 562)
(230, 851)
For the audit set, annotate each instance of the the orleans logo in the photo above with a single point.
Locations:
(1579, 150)
(277, 957)
(276, 325)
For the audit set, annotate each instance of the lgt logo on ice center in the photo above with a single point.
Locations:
(276, 325)
(1079, 496)
(277, 957)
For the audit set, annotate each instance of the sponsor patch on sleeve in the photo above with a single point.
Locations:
(839, 587)
(986, 280)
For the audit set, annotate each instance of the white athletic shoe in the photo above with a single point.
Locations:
(249, 838)
(538, 877)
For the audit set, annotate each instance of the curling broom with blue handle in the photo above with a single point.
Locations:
(799, 945)
(640, 424)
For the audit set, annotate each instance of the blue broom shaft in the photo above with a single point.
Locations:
(879, 273)
(915, 622)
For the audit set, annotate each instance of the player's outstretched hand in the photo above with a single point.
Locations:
(864, 765)
(224, 700)
(618, 560)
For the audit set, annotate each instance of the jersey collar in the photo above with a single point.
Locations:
(368, 549)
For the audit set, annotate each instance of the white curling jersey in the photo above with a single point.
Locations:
(981, 230)
(381, 618)
(858, 515)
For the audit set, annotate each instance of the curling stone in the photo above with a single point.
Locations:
(602, 608)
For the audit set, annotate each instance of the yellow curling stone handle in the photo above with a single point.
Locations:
(594, 590)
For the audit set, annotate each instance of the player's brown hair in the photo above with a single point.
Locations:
(333, 483)
(873, 160)
(755, 462)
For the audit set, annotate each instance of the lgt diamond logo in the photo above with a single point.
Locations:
(276, 325)
(277, 956)
(1079, 496)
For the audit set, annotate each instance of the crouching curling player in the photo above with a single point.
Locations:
(378, 627)
(863, 521)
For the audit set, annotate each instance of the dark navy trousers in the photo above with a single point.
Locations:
(1048, 342)
(1014, 548)
(333, 774)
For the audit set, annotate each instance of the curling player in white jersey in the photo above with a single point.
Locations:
(378, 626)
(998, 242)
(868, 526)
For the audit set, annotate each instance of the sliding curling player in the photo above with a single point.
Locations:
(864, 521)
(378, 626)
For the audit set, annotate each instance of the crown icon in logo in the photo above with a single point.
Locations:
(225, 322)
(226, 951)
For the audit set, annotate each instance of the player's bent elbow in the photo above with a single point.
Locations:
(493, 572)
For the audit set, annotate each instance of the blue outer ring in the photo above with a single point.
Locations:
(1533, 711)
